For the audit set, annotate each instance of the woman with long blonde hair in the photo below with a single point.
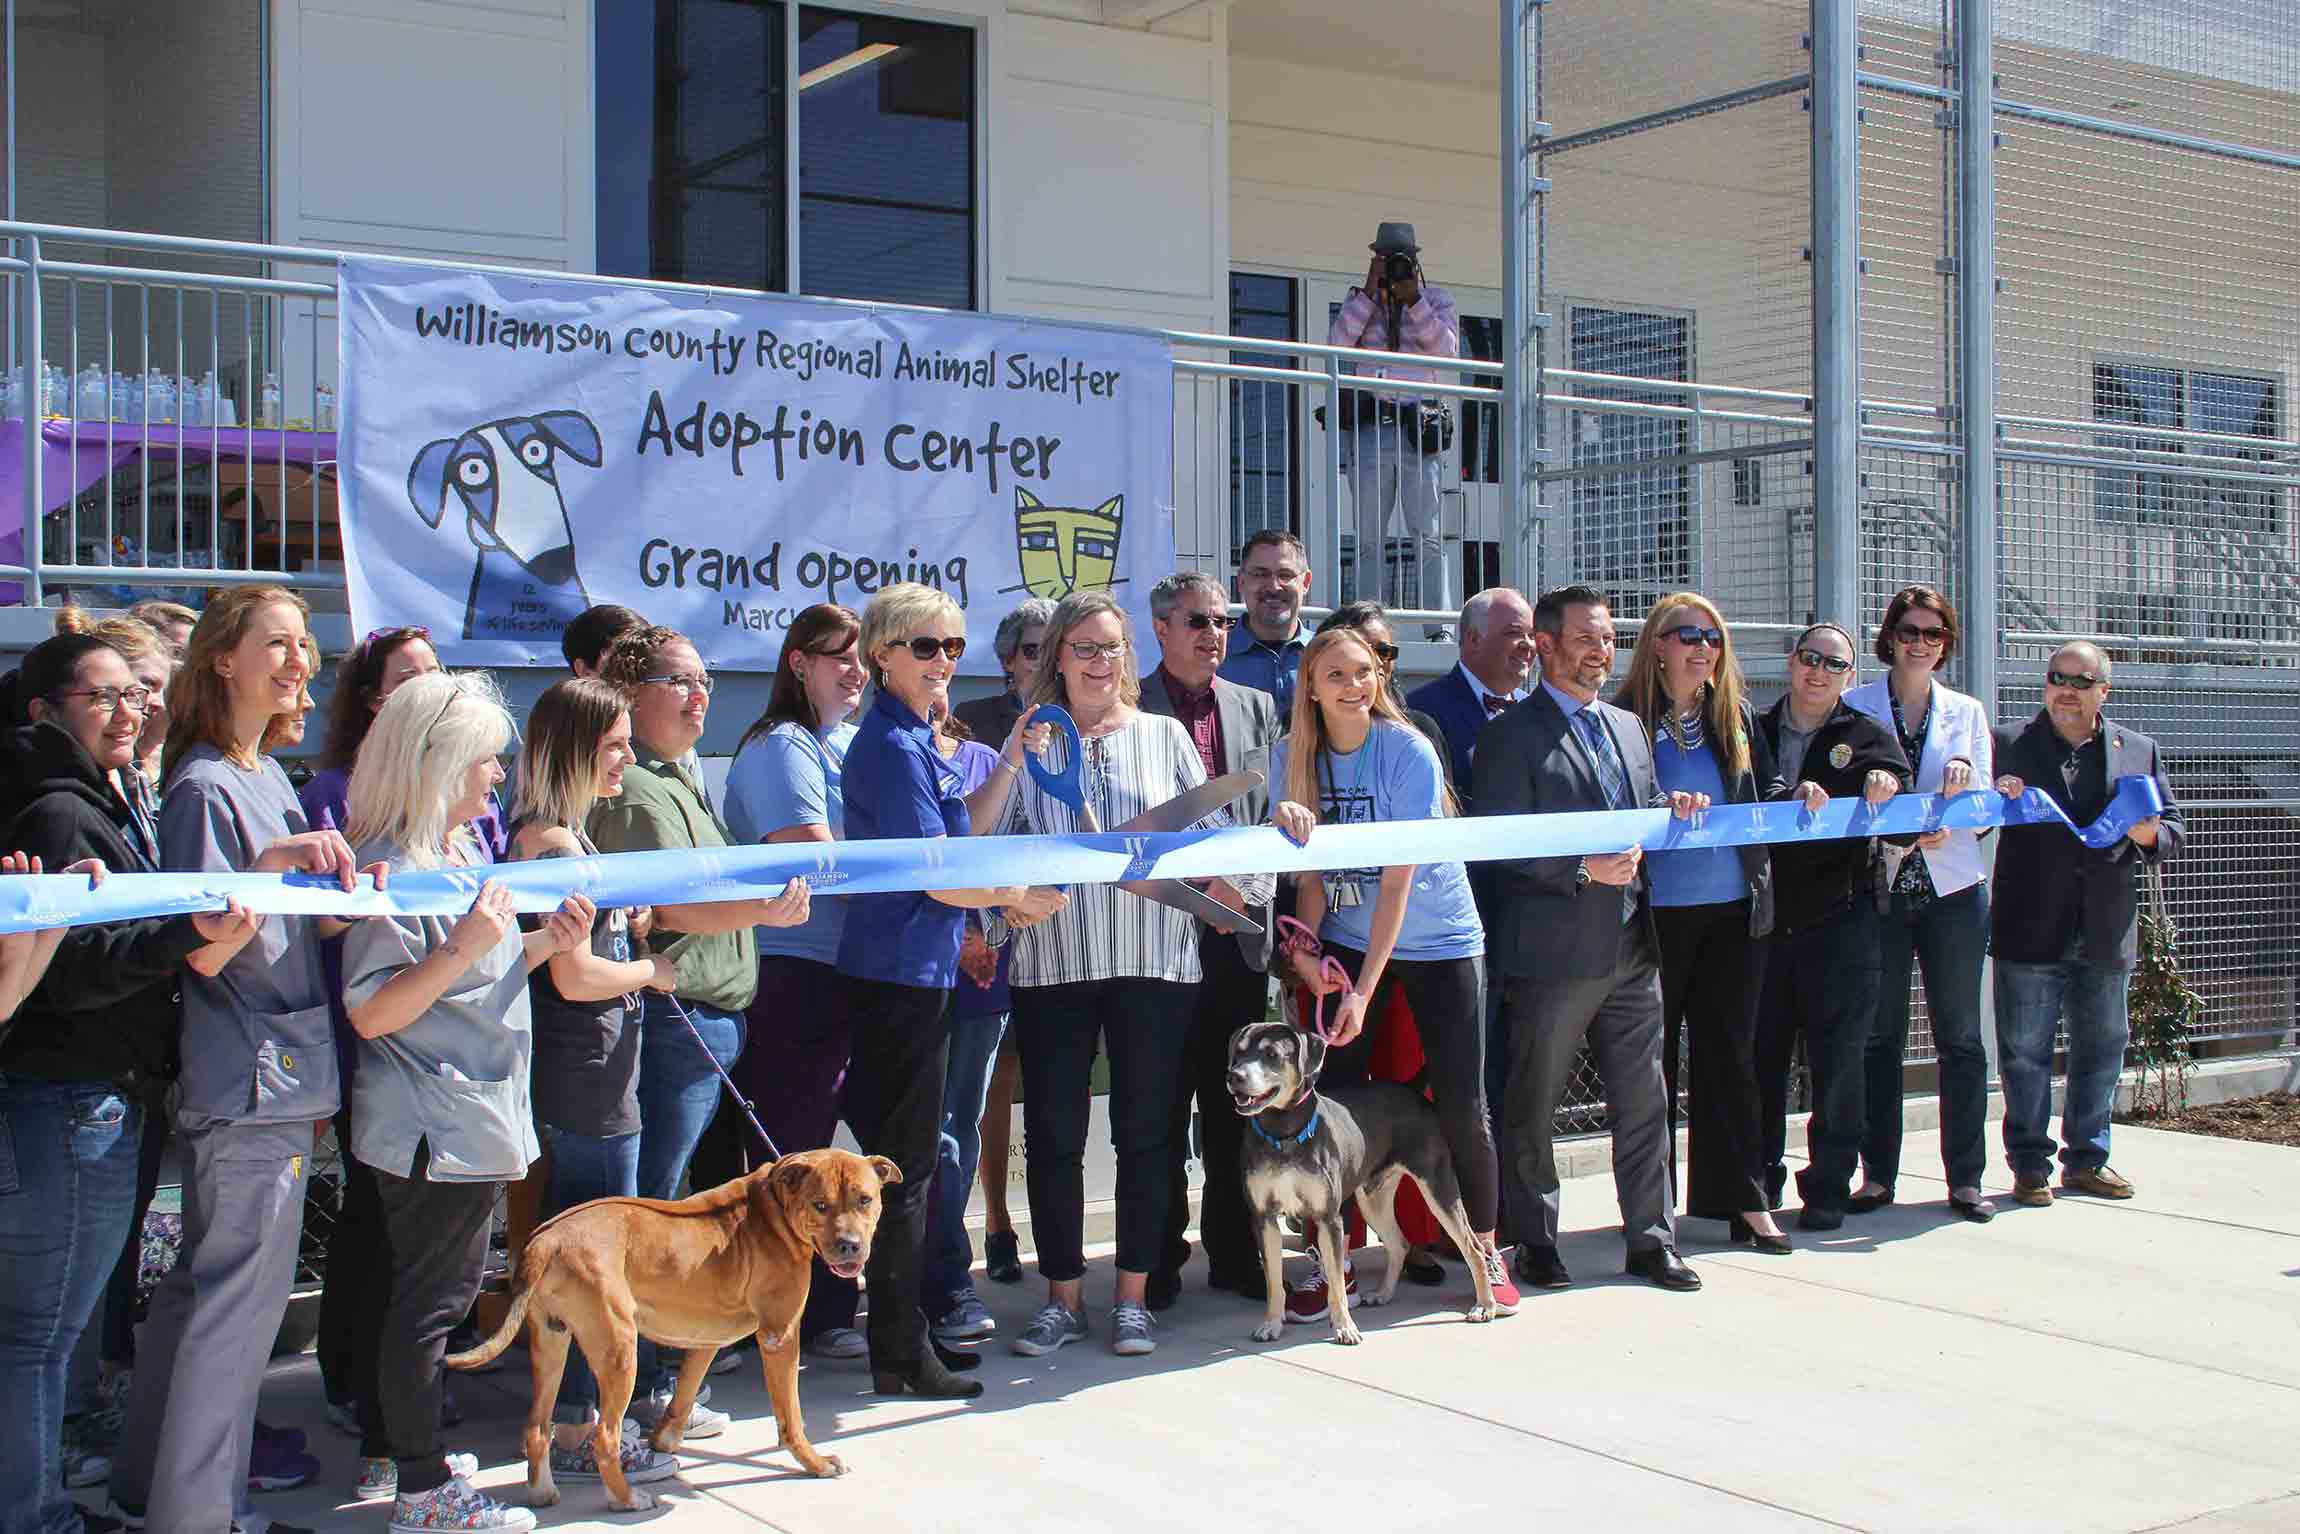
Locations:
(1711, 906)
(1352, 758)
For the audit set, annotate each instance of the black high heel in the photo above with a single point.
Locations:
(956, 1359)
(926, 1378)
(1741, 1233)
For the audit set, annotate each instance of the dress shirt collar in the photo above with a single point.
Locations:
(1566, 702)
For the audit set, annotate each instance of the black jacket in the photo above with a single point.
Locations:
(108, 1008)
(2050, 886)
(1816, 881)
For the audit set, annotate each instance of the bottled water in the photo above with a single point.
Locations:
(326, 409)
(268, 403)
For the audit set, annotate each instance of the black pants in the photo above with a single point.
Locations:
(1712, 973)
(437, 1236)
(894, 1106)
(1821, 980)
(1448, 1001)
(355, 1287)
(1145, 1026)
(1232, 994)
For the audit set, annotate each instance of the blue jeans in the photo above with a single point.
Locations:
(67, 1187)
(678, 1094)
(1823, 979)
(2032, 1001)
(585, 1167)
(1949, 937)
(966, 1086)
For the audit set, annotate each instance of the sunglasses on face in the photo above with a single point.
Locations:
(1087, 650)
(926, 647)
(1028, 649)
(1221, 623)
(2074, 681)
(1910, 633)
(1814, 660)
(1690, 634)
(1387, 654)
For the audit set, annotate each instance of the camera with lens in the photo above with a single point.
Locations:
(1399, 267)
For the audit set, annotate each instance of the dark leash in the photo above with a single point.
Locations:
(750, 1109)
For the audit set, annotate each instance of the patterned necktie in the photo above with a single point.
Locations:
(1494, 704)
(1612, 777)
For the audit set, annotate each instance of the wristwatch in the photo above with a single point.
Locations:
(1581, 876)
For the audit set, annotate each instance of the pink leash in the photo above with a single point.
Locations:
(1294, 937)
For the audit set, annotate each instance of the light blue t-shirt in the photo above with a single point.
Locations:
(1395, 775)
(1693, 875)
(790, 777)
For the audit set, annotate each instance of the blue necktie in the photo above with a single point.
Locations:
(1612, 779)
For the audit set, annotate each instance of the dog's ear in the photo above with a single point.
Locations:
(887, 1171)
(1313, 1059)
(789, 1179)
(427, 480)
(572, 433)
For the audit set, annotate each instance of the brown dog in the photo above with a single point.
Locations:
(696, 1274)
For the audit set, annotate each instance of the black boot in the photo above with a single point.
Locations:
(927, 1377)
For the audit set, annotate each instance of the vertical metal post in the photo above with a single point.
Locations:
(28, 327)
(1329, 556)
(1516, 301)
(1978, 576)
(1836, 175)
(791, 147)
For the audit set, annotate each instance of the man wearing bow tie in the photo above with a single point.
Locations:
(1496, 659)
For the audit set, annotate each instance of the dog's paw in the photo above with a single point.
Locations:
(1479, 1313)
(1376, 1297)
(1269, 1331)
(1347, 1335)
(827, 1467)
(543, 1496)
(642, 1501)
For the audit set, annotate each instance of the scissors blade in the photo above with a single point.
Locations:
(1184, 897)
(1185, 810)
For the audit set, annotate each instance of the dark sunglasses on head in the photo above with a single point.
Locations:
(1387, 654)
(399, 631)
(2075, 681)
(1835, 665)
(1221, 622)
(1695, 634)
(1910, 633)
(927, 648)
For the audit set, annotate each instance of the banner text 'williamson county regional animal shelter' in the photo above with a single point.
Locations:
(517, 449)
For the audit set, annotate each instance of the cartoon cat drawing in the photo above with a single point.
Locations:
(1067, 548)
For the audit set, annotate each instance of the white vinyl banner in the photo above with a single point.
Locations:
(517, 449)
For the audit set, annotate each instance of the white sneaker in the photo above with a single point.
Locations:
(458, 1506)
(642, 1462)
(702, 1421)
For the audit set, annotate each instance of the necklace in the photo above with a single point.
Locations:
(1689, 731)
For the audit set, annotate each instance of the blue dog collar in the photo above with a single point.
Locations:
(1303, 1138)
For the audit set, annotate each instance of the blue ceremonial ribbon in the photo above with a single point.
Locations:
(693, 876)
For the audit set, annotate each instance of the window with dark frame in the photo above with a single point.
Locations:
(1632, 528)
(1265, 457)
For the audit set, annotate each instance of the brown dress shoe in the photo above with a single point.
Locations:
(2100, 1182)
(2036, 1192)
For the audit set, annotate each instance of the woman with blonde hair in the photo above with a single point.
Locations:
(441, 1113)
(1711, 906)
(899, 953)
(1111, 963)
(1351, 758)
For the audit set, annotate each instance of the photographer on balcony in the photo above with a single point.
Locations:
(1391, 442)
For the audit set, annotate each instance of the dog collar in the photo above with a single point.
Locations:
(1303, 1138)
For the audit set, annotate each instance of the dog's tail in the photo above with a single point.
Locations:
(488, 1351)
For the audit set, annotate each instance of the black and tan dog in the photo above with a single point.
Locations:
(1307, 1153)
(699, 1273)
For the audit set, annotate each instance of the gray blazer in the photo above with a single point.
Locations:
(1531, 762)
(1249, 722)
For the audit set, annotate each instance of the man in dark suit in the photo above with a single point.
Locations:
(1233, 728)
(1497, 654)
(2064, 926)
(1019, 635)
(1576, 946)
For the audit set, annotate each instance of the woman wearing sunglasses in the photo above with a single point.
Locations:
(900, 951)
(1940, 908)
(1821, 971)
(663, 807)
(1711, 906)
(1111, 963)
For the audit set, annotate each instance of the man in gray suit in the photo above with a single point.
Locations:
(1232, 727)
(1575, 944)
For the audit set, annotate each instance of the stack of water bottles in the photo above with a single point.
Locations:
(162, 399)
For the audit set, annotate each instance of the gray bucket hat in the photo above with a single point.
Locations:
(1395, 239)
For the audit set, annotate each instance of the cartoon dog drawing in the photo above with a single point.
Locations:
(1067, 548)
(524, 581)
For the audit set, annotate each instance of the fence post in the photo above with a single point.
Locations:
(1978, 576)
(1331, 512)
(1516, 301)
(1836, 178)
(35, 400)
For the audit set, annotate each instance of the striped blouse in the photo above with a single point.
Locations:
(1105, 933)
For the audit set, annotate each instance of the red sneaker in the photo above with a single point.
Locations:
(1504, 1287)
(1306, 1299)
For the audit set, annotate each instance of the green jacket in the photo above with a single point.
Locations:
(660, 808)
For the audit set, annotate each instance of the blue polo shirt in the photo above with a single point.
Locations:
(1271, 667)
(896, 784)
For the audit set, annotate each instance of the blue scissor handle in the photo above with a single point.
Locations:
(1068, 785)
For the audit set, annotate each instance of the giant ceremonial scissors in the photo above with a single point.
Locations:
(1179, 813)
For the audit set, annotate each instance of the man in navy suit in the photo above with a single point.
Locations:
(1497, 653)
(1575, 948)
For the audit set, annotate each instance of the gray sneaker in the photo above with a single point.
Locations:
(642, 1462)
(966, 1320)
(839, 1342)
(1054, 1325)
(1130, 1325)
(702, 1420)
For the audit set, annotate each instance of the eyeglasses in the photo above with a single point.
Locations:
(926, 647)
(1087, 650)
(1028, 649)
(2074, 681)
(1910, 633)
(1695, 634)
(1219, 622)
(688, 682)
(1387, 654)
(109, 699)
(397, 631)
(1814, 660)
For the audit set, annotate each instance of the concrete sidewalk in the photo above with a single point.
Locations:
(2088, 1367)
